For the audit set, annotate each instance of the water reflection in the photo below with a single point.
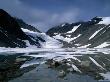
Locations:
(10, 66)
(54, 67)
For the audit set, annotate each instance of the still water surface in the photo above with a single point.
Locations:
(69, 65)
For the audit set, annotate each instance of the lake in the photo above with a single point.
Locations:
(55, 65)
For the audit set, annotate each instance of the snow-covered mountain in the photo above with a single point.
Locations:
(11, 34)
(44, 40)
(16, 33)
(90, 34)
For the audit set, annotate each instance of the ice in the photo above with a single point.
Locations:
(50, 42)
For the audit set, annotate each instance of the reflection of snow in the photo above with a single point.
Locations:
(75, 68)
(96, 63)
(71, 55)
(106, 76)
(55, 50)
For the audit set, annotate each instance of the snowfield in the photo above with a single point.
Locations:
(106, 20)
(49, 42)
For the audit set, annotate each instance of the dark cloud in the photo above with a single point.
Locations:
(47, 13)
(43, 19)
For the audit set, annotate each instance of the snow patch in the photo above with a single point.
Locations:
(95, 33)
(85, 46)
(63, 25)
(28, 31)
(66, 38)
(74, 29)
(105, 44)
(105, 20)
(77, 44)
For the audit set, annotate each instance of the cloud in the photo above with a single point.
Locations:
(52, 19)
(43, 19)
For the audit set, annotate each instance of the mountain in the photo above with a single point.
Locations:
(14, 32)
(11, 33)
(22, 24)
(84, 34)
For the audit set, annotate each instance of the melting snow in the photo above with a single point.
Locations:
(50, 42)
(75, 68)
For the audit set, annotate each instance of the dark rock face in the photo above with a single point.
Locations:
(90, 33)
(10, 66)
(61, 29)
(22, 24)
(10, 25)
(11, 34)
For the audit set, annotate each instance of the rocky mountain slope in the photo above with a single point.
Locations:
(11, 34)
(90, 34)
(14, 32)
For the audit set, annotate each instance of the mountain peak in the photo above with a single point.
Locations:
(105, 20)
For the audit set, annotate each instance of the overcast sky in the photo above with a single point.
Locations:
(45, 14)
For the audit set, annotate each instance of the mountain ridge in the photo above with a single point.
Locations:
(11, 34)
(14, 32)
(89, 34)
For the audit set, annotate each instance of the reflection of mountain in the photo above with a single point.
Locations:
(94, 62)
(88, 64)
(10, 66)
(93, 33)
(17, 66)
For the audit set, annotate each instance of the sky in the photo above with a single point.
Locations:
(45, 14)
